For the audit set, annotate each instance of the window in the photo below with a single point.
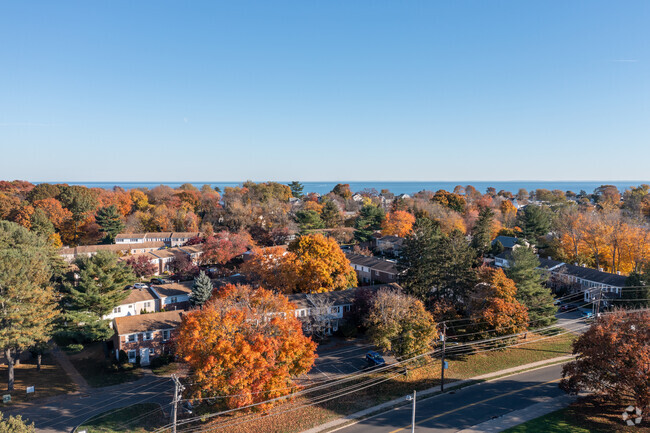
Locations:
(173, 299)
(165, 335)
(147, 304)
(346, 308)
(133, 338)
(335, 310)
(303, 313)
(146, 336)
(132, 356)
(151, 352)
(117, 309)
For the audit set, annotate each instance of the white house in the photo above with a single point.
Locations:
(139, 301)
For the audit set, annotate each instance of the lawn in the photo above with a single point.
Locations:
(145, 417)
(587, 415)
(93, 366)
(421, 378)
(51, 380)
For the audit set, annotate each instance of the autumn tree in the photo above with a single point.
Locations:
(493, 305)
(43, 191)
(342, 190)
(319, 265)
(398, 223)
(80, 201)
(55, 212)
(15, 424)
(246, 344)
(142, 266)
(110, 221)
(613, 359)
(224, 246)
(201, 290)
(27, 302)
(368, 222)
(449, 199)
(400, 324)
(524, 271)
(271, 267)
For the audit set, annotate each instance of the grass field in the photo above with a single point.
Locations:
(145, 416)
(587, 415)
(51, 380)
(424, 377)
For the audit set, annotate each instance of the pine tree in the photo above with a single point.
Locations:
(482, 233)
(110, 221)
(368, 222)
(416, 261)
(41, 225)
(535, 223)
(201, 289)
(530, 289)
(331, 215)
(296, 189)
(27, 303)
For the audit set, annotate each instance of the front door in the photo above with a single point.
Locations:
(144, 356)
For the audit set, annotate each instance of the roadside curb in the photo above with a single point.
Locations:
(431, 392)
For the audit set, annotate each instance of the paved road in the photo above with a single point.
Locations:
(62, 414)
(468, 406)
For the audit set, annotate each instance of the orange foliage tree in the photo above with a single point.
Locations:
(246, 344)
(613, 359)
(270, 268)
(398, 223)
(493, 304)
(319, 265)
(224, 246)
(57, 214)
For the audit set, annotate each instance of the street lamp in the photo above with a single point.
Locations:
(409, 398)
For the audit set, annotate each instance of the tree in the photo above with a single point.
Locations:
(453, 265)
(416, 261)
(636, 294)
(246, 344)
(40, 224)
(482, 233)
(531, 293)
(56, 213)
(43, 191)
(27, 303)
(80, 201)
(331, 215)
(142, 266)
(271, 268)
(448, 199)
(613, 359)
(201, 290)
(319, 265)
(368, 222)
(309, 220)
(400, 324)
(342, 190)
(110, 221)
(493, 304)
(535, 222)
(398, 223)
(224, 246)
(296, 188)
(15, 424)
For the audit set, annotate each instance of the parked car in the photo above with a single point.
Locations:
(587, 314)
(374, 359)
(568, 307)
(157, 281)
(140, 286)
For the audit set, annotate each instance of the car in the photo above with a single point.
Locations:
(374, 359)
(587, 314)
(568, 307)
(157, 281)
(140, 286)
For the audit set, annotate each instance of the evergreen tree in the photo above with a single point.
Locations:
(535, 223)
(368, 222)
(98, 289)
(110, 221)
(331, 215)
(636, 294)
(27, 303)
(296, 188)
(416, 262)
(309, 220)
(41, 225)
(201, 289)
(482, 233)
(530, 289)
(497, 248)
(454, 261)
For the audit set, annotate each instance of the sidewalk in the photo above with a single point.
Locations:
(71, 371)
(521, 416)
(430, 392)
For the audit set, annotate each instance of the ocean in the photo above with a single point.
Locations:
(395, 187)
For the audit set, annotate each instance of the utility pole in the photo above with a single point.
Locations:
(178, 388)
(408, 397)
(443, 337)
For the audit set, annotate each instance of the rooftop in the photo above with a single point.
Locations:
(147, 322)
(173, 289)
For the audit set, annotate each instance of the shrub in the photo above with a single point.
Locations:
(74, 348)
(160, 361)
(123, 357)
(348, 330)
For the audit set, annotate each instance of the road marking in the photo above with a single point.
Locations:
(476, 403)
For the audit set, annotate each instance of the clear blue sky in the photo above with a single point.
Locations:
(324, 90)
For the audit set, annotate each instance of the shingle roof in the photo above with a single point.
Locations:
(373, 262)
(177, 235)
(85, 249)
(595, 275)
(130, 235)
(337, 297)
(147, 322)
(173, 289)
(139, 295)
(506, 241)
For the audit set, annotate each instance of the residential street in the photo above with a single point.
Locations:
(61, 414)
(468, 406)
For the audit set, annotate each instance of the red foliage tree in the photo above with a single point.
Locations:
(224, 246)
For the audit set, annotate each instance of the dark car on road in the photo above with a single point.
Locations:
(374, 359)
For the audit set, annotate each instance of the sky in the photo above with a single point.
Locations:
(324, 90)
